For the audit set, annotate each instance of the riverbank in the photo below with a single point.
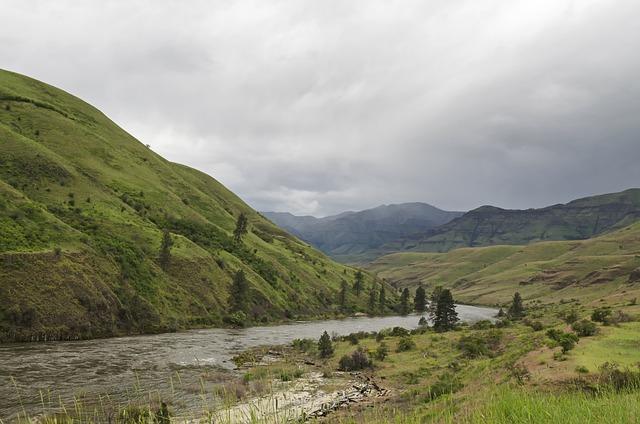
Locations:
(155, 363)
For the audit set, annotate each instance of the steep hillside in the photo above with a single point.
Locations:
(360, 236)
(83, 206)
(601, 269)
(488, 225)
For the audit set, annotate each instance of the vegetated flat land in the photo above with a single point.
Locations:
(83, 206)
(595, 270)
(437, 382)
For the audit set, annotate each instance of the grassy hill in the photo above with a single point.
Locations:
(82, 209)
(488, 225)
(599, 270)
(356, 237)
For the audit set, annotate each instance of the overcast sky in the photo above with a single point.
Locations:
(320, 106)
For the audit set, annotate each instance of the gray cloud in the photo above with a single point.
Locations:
(317, 107)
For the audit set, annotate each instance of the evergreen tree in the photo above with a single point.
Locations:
(446, 316)
(239, 291)
(501, 313)
(382, 299)
(404, 302)
(433, 302)
(373, 299)
(242, 226)
(358, 283)
(325, 347)
(165, 249)
(420, 301)
(342, 296)
(516, 310)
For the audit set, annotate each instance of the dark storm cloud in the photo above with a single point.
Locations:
(318, 107)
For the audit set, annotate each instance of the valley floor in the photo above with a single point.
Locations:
(481, 373)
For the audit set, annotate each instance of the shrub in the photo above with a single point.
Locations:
(565, 340)
(358, 360)
(600, 315)
(484, 324)
(520, 373)
(570, 316)
(617, 318)
(304, 345)
(447, 383)
(613, 376)
(379, 336)
(423, 322)
(480, 344)
(399, 332)
(353, 339)
(584, 328)
(405, 343)
(581, 369)
(382, 351)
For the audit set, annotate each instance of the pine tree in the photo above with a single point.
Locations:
(342, 296)
(404, 302)
(239, 291)
(516, 310)
(382, 299)
(242, 226)
(165, 249)
(420, 301)
(433, 302)
(446, 316)
(325, 347)
(373, 299)
(358, 283)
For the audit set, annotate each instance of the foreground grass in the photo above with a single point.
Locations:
(518, 406)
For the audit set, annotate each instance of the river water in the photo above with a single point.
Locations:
(36, 378)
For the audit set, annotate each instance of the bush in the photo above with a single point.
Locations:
(353, 339)
(600, 315)
(447, 383)
(382, 352)
(358, 360)
(379, 336)
(611, 375)
(535, 325)
(584, 328)
(304, 345)
(423, 322)
(484, 324)
(565, 340)
(480, 344)
(581, 369)
(405, 343)
(617, 318)
(399, 332)
(570, 317)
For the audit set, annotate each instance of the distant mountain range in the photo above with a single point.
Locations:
(360, 236)
(487, 225)
(363, 236)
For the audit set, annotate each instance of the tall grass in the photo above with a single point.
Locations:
(517, 406)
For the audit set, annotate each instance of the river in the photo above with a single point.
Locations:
(36, 377)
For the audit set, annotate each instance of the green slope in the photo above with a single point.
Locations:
(604, 269)
(82, 209)
(488, 225)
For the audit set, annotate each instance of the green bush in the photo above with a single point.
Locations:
(405, 343)
(447, 383)
(480, 344)
(382, 351)
(358, 360)
(600, 315)
(584, 328)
